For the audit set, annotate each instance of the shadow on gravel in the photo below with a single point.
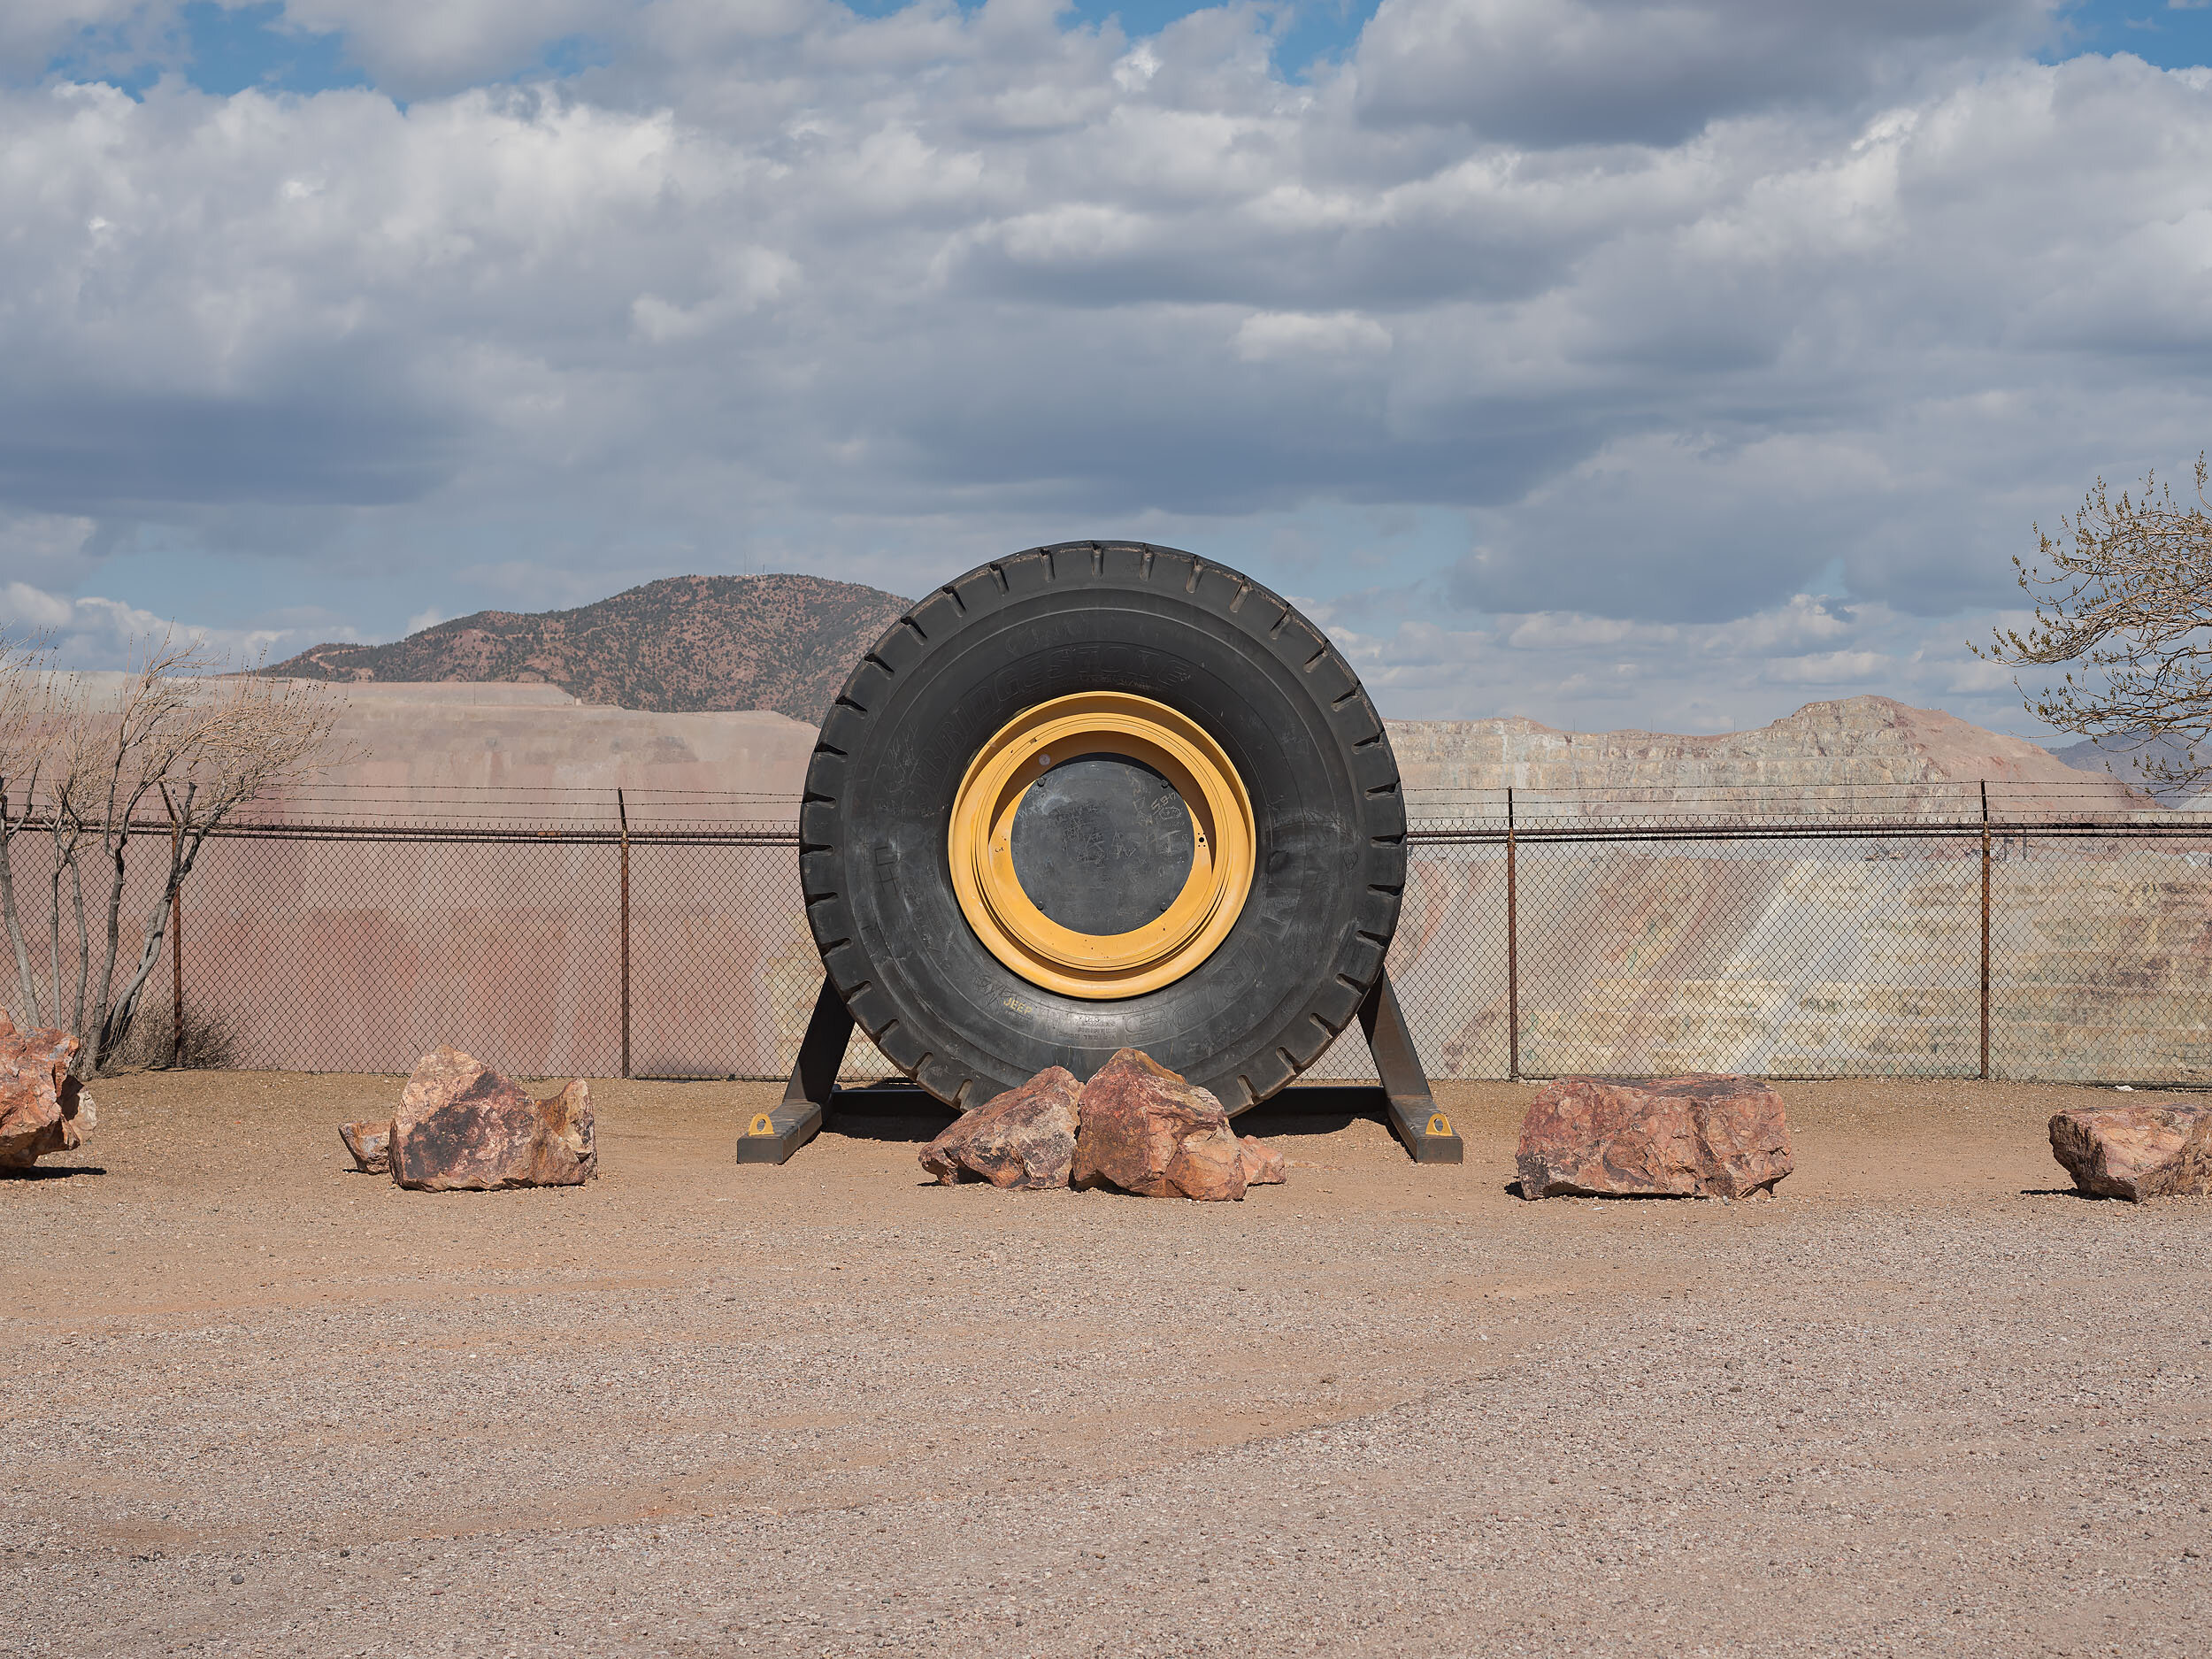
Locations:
(1512, 1189)
(887, 1111)
(1312, 1108)
(902, 1112)
(52, 1172)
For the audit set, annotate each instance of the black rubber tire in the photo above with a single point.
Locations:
(1112, 616)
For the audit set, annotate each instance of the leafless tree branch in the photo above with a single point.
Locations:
(2124, 591)
(181, 735)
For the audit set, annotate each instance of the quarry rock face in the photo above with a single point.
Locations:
(1914, 759)
(419, 746)
(462, 1126)
(42, 1108)
(1691, 1137)
(370, 1144)
(1146, 1130)
(417, 742)
(1023, 1139)
(2136, 1152)
(1263, 1164)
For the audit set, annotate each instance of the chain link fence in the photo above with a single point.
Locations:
(1623, 932)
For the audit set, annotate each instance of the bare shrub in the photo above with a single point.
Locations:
(167, 761)
(211, 1042)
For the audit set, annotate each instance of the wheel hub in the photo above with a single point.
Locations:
(1101, 845)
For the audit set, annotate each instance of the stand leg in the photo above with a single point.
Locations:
(1427, 1133)
(773, 1136)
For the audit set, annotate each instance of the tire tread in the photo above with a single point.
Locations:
(937, 619)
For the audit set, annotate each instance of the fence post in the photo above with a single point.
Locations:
(622, 812)
(1512, 949)
(1985, 931)
(176, 940)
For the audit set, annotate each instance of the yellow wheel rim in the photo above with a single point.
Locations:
(1008, 921)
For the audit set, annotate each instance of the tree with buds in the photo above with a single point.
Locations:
(2124, 591)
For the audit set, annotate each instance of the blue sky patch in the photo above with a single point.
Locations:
(224, 50)
(229, 51)
(2160, 32)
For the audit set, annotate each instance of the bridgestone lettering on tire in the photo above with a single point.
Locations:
(1328, 822)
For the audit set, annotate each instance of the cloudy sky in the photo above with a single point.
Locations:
(1615, 363)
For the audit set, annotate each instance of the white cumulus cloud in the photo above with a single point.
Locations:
(1653, 316)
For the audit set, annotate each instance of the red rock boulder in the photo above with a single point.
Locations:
(2136, 1152)
(1209, 1166)
(462, 1126)
(42, 1108)
(1263, 1166)
(1023, 1139)
(1142, 1128)
(1691, 1137)
(370, 1144)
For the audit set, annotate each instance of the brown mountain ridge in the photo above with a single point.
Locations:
(682, 645)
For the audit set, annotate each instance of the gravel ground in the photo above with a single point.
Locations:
(1927, 1401)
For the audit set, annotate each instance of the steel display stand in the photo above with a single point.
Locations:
(811, 1097)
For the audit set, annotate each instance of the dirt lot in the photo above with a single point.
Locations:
(1926, 1401)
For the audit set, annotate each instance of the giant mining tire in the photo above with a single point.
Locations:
(1209, 870)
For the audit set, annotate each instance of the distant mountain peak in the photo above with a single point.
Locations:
(683, 644)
